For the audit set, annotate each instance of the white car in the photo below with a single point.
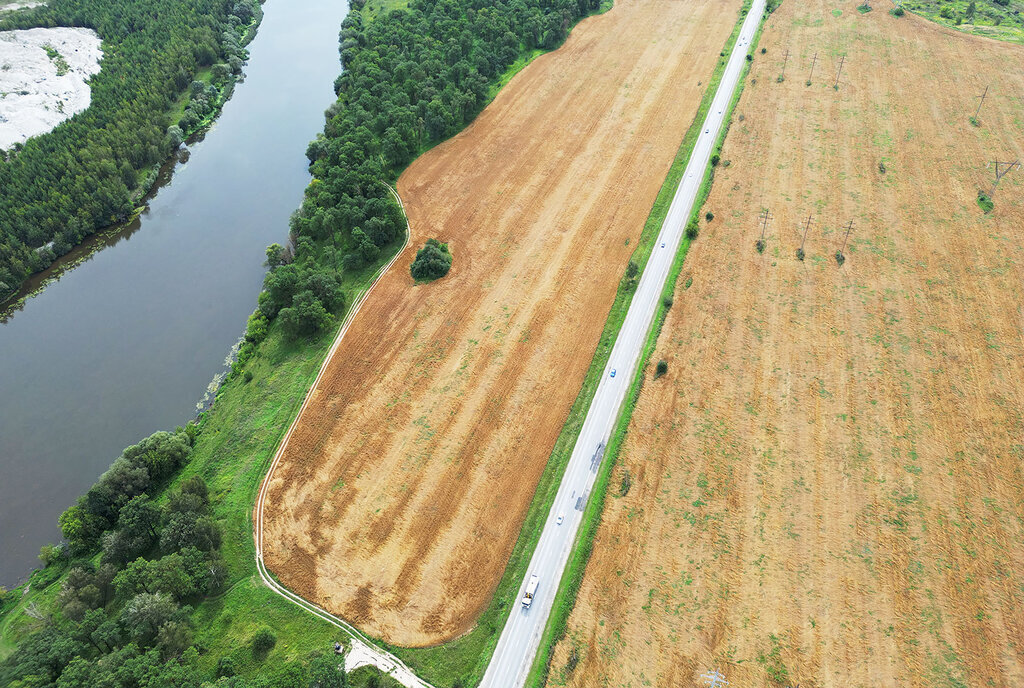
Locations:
(663, 244)
(559, 520)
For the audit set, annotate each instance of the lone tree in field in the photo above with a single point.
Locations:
(433, 261)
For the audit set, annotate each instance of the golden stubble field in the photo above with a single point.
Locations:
(404, 488)
(827, 486)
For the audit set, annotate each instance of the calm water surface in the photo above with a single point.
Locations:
(126, 343)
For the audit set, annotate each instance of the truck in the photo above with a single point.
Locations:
(531, 588)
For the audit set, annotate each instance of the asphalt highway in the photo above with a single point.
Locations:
(521, 636)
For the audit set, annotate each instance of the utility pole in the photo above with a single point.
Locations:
(842, 59)
(982, 96)
(800, 251)
(810, 76)
(999, 175)
(765, 217)
(840, 256)
(714, 679)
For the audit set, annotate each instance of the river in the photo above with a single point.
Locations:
(127, 342)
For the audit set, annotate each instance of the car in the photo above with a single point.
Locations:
(561, 517)
(707, 131)
(613, 373)
(663, 244)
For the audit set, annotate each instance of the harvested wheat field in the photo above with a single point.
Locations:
(406, 483)
(827, 486)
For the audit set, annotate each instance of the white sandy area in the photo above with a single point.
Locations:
(33, 98)
(19, 5)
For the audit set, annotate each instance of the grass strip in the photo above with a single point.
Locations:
(572, 577)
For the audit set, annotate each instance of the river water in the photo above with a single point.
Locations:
(127, 342)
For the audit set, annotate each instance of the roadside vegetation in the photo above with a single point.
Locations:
(161, 58)
(785, 469)
(543, 672)
(442, 60)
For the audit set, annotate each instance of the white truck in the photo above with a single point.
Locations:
(531, 588)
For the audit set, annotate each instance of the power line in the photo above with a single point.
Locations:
(982, 96)
(800, 251)
(999, 175)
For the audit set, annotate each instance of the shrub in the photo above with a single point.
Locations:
(974, 121)
(764, 50)
(692, 230)
(984, 202)
(898, 11)
(433, 261)
(632, 270)
(247, 376)
(750, 58)
(800, 254)
(709, 216)
(627, 482)
(263, 642)
(661, 368)
(225, 667)
(840, 258)
(574, 659)
(881, 167)
(668, 301)
(759, 245)
(714, 159)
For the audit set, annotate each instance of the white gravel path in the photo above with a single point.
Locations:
(33, 97)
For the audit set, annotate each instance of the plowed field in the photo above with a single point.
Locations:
(827, 486)
(407, 480)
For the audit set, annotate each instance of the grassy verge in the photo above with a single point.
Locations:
(572, 577)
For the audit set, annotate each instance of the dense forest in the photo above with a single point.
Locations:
(89, 171)
(140, 557)
(411, 78)
(132, 567)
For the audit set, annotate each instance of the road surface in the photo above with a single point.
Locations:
(521, 636)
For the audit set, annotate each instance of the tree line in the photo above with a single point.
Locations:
(86, 174)
(411, 78)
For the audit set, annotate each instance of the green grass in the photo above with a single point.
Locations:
(990, 18)
(375, 8)
(572, 577)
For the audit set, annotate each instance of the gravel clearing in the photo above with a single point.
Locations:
(39, 91)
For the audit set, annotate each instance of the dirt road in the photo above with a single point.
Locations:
(827, 486)
(405, 485)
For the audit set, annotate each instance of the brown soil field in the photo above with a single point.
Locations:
(827, 486)
(406, 483)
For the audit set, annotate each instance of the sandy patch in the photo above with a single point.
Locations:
(37, 91)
